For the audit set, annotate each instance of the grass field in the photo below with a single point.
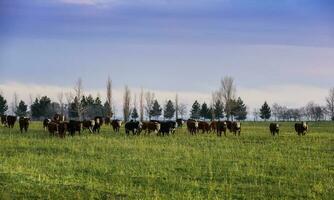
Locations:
(109, 166)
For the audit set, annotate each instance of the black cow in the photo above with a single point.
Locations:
(134, 127)
(107, 121)
(235, 128)
(221, 127)
(167, 127)
(116, 125)
(74, 126)
(88, 124)
(45, 123)
(24, 123)
(97, 125)
(180, 123)
(274, 128)
(301, 128)
(11, 121)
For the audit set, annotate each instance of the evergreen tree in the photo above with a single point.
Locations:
(44, 107)
(107, 112)
(35, 109)
(195, 112)
(205, 111)
(156, 110)
(240, 110)
(21, 109)
(72, 109)
(134, 114)
(3, 105)
(265, 112)
(169, 110)
(98, 108)
(219, 109)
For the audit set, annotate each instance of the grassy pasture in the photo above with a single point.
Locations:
(109, 166)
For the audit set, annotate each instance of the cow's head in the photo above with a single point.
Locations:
(92, 122)
(277, 125)
(238, 124)
(196, 124)
(157, 126)
(304, 124)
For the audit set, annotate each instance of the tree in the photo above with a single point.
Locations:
(265, 112)
(227, 93)
(78, 89)
(126, 103)
(195, 112)
(169, 110)
(108, 104)
(330, 103)
(141, 105)
(60, 97)
(256, 114)
(156, 110)
(149, 98)
(73, 110)
(218, 109)
(134, 114)
(3, 105)
(15, 102)
(205, 111)
(183, 110)
(176, 106)
(21, 109)
(240, 110)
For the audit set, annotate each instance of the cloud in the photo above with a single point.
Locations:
(289, 95)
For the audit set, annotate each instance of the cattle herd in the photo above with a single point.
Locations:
(58, 126)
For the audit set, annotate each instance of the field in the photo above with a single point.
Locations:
(109, 166)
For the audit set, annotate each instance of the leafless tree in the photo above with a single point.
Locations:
(176, 106)
(182, 110)
(109, 97)
(126, 103)
(256, 114)
(227, 93)
(149, 98)
(60, 98)
(15, 102)
(314, 111)
(78, 89)
(141, 105)
(330, 104)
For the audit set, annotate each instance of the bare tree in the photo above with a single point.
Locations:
(176, 106)
(15, 102)
(78, 89)
(330, 104)
(182, 110)
(60, 98)
(149, 98)
(256, 114)
(227, 93)
(141, 105)
(109, 97)
(126, 103)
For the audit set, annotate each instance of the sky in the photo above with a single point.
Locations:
(279, 51)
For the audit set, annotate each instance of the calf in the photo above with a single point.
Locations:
(301, 128)
(116, 125)
(24, 123)
(221, 127)
(235, 127)
(134, 127)
(274, 128)
(11, 121)
(74, 126)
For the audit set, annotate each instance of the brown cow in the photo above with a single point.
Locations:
(213, 126)
(301, 128)
(4, 120)
(235, 128)
(24, 123)
(149, 127)
(62, 128)
(192, 126)
(116, 125)
(221, 126)
(53, 128)
(274, 128)
(203, 126)
(11, 121)
(74, 126)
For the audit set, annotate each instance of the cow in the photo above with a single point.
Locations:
(11, 121)
(62, 129)
(274, 128)
(58, 118)
(74, 126)
(149, 127)
(134, 127)
(24, 123)
(167, 127)
(97, 125)
(88, 124)
(203, 126)
(229, 125)
(45, 123)
(301, 128)
(221, 127)
(192, 126)
(4, 120)
(180, 123)
(116, 125)
(107, 121)
(53, 128)
(213, 126)
(235, 128)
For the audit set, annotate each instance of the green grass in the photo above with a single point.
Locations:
(109, 166)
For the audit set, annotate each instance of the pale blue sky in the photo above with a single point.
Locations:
(174, 45)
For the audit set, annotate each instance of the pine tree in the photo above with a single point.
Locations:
(240, 110)
(169, 110)
(3, 105)
(156, 110)
(134, 114)
(219, 109)
(21, 109)
(35, 109)
(265, 112)
(205, 112)
(195, 112)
